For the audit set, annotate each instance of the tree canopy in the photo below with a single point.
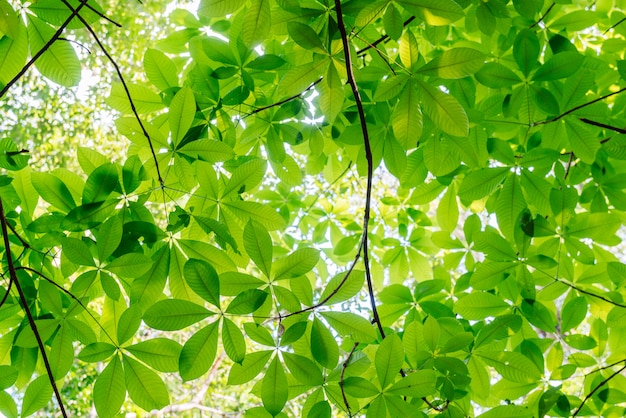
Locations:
(387, 208)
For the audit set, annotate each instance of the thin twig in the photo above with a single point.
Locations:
(590, 394)
(602, 125)
(369, 158)
(622, 20)
(70, 294)
(543, 16)
(344, 366)
(383, 38)
(102, 15)
(44, 48)
(31, 320)
(281, 102)
(6, 295)
(554, 119)
(124, 85)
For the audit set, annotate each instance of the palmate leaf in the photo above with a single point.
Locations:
(144, 386)
(303, 369)
(477, 306)
(203, 280)
(37, 395)
(274, 388)
(198, 353)
(161, 354)
(389, 359)
(256, 23)
(59, 63)
(407, 118)
(174, 314)
(250, 368)
(434, 12)
(109, 391)
(454, 63)
(299, 262)
(13, 53)
(258, 245)
(351, 324)
(160, 69)
(181, 114)
(444, 110)
(144, 99)
(233, 341)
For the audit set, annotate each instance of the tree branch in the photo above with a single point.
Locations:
(39, 53)
(572, 110)
(71, 295)
(602, 125)
(590, 394)
(281, 102)
(370, 162)
(123, 81)
(543, 16)
(383, 38)
(344, 366)
(29, 315)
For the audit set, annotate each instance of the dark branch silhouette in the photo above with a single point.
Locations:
(29, 315)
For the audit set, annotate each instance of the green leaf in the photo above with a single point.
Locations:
(109, 391)
(77, 252)
(507, 411)
(454, 63)
(9, 21)
(526, 50)
(407, 120)
(130, 265)
(573, 313)
(418, 384)
(59, 62)
(509, 204)
(444, 110)
(218, 8)
(198, 353)
(232, 283)
(497, 76)
(247, 302)
(513, 366)
(53, 190)
(144, 386)
(476, 306)
(256, 23)
(600, 227)
(434, 12)
(100, 183)
(234, 343)
(250, 368)
(304, 36)
(303, 369)
(37, 395)
(274, 388)
(13, 54)
(299, 262)
(128, 324)
(263, 214)
(181, 114)
(341, 288)
(203, 280)
(208, 150)
(559, 66)
(174, 314)
(160, 69)
(162, 354)
(585, 144)
(246, 176)
(359, 387)
(96, 352)
(323, 345)
(480, 183)
(258, 245)
(352, 325)
(392, 22)
(109, 236)
(298, 79)
(7, 405)
(389, 359)
(408, 50)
